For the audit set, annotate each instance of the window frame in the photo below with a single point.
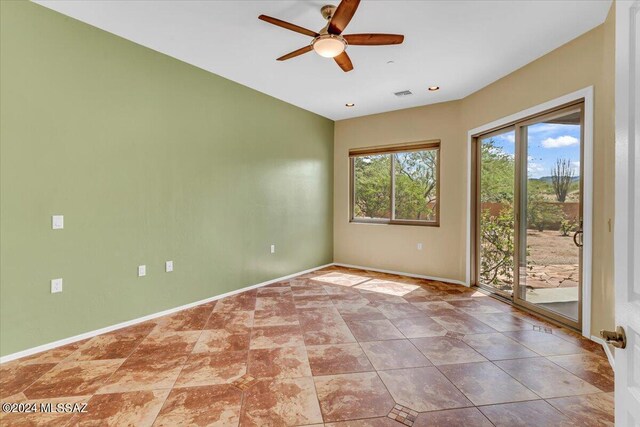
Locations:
(393, 149)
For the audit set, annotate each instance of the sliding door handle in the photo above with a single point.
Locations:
(577, 242)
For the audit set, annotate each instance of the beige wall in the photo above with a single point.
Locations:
(393, 247)
(603, 293)
(585, 61)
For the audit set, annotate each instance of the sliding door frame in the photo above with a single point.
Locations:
(584, 97)
(522, 154)
(477, 211)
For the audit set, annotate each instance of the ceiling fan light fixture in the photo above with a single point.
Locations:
(329, 41)
(329, 45)
(349, 104)
(434, 88)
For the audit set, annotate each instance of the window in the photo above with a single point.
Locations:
(396, 184)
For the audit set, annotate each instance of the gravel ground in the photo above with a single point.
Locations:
(550, 247)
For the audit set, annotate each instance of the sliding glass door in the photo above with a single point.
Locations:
(495, 216)
(528, 225)
(550, 201)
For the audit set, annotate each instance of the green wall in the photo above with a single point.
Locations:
(149, 159)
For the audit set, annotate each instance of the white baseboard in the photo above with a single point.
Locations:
(401, 273)
(90, 334)
(607, 351)
(600, 341)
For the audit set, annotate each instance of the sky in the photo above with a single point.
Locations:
(546, 143)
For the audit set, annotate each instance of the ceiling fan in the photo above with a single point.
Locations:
(329, 41)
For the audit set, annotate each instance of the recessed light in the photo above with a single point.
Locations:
(349, 104)
(434, 88)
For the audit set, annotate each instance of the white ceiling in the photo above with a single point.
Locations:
(460, 46)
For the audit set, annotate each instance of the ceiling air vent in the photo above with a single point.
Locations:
(403, 93)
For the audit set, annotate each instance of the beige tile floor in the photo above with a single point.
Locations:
(339, 347)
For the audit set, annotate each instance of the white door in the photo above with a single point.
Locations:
(627, 211)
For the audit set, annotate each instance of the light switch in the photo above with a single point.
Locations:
(56, 286)
(273, 249)
(168, 266)
(419, 246)
(142, 270)
(57, 222)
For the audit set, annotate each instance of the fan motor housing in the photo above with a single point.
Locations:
(327, 11)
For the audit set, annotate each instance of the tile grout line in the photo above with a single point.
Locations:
(115, 370)
(555, 397)
(562, 367)
(361, 349)
(304, 345)
(313, 377)
(112, 374)
(246, 371)
(60, 362)
(150, 317)
(442, 373)
(184, 364)
(372, 365)
(315, 387)
(490, 361)
(565, 397)
(473, 349)
(584, 352)
(515, 379)
(36, 380)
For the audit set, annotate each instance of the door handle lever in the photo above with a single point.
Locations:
(616, 338)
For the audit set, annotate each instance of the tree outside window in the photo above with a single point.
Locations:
(399, 187)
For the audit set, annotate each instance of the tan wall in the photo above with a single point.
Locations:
(585, 61)
(603, 292)
(393, 247)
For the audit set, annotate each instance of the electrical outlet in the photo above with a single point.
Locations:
(56, 286)
(168, 266)
(273, 249)
(57, 222)
(142, 270)
(419, 246)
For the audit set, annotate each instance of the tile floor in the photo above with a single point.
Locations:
(336, 347)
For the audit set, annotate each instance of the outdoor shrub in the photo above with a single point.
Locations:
(496, 239)
(567, 226)
(541, 214)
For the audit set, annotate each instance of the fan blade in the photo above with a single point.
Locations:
(288, 25)
(373, 39)
(296, 53)
(344, 62)
(342, 16)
